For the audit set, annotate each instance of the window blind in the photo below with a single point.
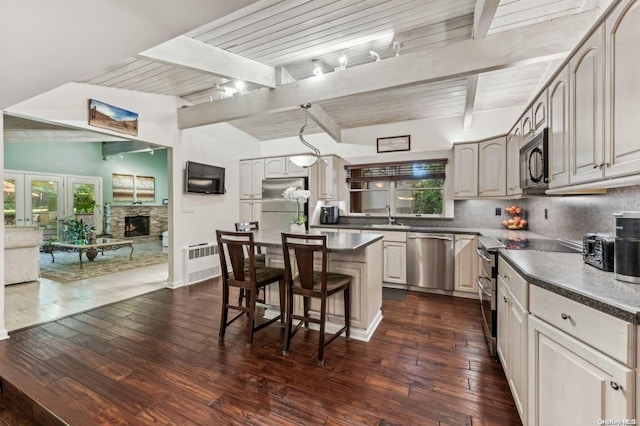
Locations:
(410, 170)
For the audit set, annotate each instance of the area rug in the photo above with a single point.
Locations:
(66, 267)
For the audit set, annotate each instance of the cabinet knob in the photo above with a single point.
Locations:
(505, 299)
(614, 385)
(565, 316)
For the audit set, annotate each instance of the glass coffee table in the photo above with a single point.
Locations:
(82, 246)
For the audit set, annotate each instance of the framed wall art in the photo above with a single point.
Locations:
(122, 188)
(394, 143)
(112, 118)
(145, 189)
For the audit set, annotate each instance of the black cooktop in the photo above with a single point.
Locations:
(539, 245)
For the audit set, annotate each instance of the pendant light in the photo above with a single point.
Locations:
(305, 160)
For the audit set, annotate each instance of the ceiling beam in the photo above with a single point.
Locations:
(326, 123)
(189, 53)
(534, 43)
(67, 135)
(482, 18)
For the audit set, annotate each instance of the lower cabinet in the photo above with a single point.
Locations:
(250, 210)
(569, 377)
(395, 260)
(466, 264)
(512, 304)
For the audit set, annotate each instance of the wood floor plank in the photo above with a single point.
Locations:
(156, 358)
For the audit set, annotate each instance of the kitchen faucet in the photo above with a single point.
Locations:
(390, 220)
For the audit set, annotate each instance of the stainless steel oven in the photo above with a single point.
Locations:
(487, 291)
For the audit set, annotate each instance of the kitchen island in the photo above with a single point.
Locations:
(358, 255)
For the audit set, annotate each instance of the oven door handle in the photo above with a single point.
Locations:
(483, 254)
(481, 287)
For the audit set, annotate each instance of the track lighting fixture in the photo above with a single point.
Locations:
(374, 55)
(317, 67)
(397, 45)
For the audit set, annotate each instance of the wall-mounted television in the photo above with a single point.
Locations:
(203, 178)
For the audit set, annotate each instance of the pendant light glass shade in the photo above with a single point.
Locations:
(305, 160)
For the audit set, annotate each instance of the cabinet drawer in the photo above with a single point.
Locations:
(603, 332)
(516, 282)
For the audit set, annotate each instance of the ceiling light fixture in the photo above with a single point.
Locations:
(374, 55)
(121, 155)
(305, 160)
(240, 85)
(151, 151)
(343, 59)
(317, 68)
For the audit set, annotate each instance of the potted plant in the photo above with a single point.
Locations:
(78, 230)
(300, 196)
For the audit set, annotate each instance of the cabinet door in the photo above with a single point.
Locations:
(325, 178)
(257, 174)
(559, 130)
(527, 124)
(587, 110)
(246, 181)
(466, 269)
(622, 103)
(569, 380)
(395, 262)
(492, 168)
(540, 112)
(513, 161)
(256, 211)
(466, 170)
(246, 211)
(359, 274)
(517, 378)
(274, 167)
(292, 170)
(502, 306)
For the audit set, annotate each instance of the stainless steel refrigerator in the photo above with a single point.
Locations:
(278, 213)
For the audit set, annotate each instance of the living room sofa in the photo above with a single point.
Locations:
(21, 254)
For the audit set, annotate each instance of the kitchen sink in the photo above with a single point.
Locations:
(393, 226)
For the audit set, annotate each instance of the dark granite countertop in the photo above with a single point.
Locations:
(335, 241)
(562, 273)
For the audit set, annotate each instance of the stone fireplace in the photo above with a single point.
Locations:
(139, 222)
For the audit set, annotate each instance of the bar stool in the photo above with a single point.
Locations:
(238, 248)
(260, 257)
(309, 283)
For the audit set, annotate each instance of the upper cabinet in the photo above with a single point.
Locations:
(586, 77)
(278, 167)
(326, 178)
(466, 170)
(513, 161)
(559, 130)
(492, 157)
(622, 100)
(526, 124)
(540, 112)
(251, 175)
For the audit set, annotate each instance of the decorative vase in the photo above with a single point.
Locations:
(91, 253)
(298, 228)
(91, 237)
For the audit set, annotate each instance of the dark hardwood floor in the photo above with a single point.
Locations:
(156, 359)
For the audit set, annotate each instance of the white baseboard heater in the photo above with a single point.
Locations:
(201, 262)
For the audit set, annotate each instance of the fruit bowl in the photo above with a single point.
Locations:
(517, 219)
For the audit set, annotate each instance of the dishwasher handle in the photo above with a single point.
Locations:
(479, 282)
(429, 237)
(483, 254)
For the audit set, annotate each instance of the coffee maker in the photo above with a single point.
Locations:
(627, 247)
(329, 215)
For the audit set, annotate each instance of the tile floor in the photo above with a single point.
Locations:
(44, 300)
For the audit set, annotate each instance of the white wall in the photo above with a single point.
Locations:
(359, 144)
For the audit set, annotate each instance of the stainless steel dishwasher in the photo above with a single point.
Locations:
(430, 260)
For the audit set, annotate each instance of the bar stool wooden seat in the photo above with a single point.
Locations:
(310, 283)
(237, 249)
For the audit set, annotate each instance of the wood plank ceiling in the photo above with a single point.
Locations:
(293, 33)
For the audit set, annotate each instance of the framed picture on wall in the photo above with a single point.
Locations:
(145, 189)
(122, 188)
(394, 143)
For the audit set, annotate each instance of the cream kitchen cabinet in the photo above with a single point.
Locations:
(492, 167)
(512, 311)
(569, 376)
(325, 178)
(466, 264)
(278, 167)
(559, 130)
(622, 93)
(465, 170)
(586, 107)
(514, 139)
(394, 259)
(251, 175)
(526, 124)
(250, 210)
(539, 112)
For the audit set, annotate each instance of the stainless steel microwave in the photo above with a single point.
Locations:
(534, 164)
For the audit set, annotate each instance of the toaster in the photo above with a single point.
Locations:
(598, 250)
(329, 215)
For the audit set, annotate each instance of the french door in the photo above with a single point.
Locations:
(44, 199)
